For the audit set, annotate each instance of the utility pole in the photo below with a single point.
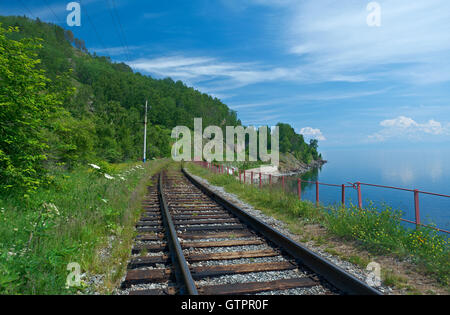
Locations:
(145, 132)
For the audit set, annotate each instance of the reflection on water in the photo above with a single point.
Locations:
(437, 171)
(424, 170)
(308, 180)
(404, 173)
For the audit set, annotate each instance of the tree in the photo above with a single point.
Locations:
(25, 105)
(69, 36)
(103, 118)
(314, 146)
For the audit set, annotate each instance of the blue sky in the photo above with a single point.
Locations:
(316, 64)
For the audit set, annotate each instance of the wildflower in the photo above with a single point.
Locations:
(105, 201)
(108, 176)
(95, 166)
(16, 229)
(51, 208)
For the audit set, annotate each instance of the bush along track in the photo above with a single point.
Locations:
(87, 217)
(376, 232)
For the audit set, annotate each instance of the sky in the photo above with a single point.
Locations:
(344, 72)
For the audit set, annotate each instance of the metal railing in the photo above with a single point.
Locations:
(260, 178)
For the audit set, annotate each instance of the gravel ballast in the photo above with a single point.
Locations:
(282, 228)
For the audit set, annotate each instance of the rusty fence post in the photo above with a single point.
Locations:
(245, 176)
(343, 195)
(417, 207)
(360, 205)
(270, 180)
(260, 181)
(317, 194)
(251, 178)
(299, 189)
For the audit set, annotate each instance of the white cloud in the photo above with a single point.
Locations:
(316, 97)
(334, 39)
(312, 133)
(198, 69)
(335, 44)
(407, 128)
(116, 51)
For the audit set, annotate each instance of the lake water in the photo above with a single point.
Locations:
(426, 170)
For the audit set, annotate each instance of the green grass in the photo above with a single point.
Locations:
(81, 214)
(379, 231)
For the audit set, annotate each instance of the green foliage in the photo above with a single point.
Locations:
(60, 105)
(70, 140)
(160, 142)
(378, 230)
(26, 104)
(381, 231)
(292, 142)
(67, 222)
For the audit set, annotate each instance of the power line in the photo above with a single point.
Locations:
(27, 9)
(121, 28)
(94, 28)
(50, 8)
(110, 6)
(118, 30)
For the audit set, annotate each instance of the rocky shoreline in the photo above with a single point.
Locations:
(289, 165)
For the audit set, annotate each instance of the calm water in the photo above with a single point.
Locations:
(423, 170)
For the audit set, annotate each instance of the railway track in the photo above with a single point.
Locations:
(192, 241)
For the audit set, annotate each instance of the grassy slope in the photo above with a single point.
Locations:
(92, 214)
(380, 233)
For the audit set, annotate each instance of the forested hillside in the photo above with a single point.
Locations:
(61, 105)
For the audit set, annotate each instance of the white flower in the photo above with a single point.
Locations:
(95, 166)
(51, 207)
(105, 201)
(108, 176)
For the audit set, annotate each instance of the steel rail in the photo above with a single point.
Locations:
(182, 272)
(335, 275)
